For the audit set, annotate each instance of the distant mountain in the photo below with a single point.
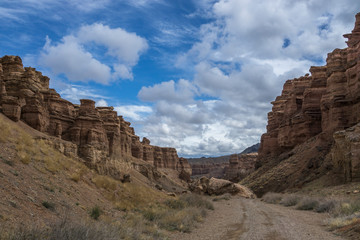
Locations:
(222, 159)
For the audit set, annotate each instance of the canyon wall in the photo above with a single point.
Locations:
(311, 109)
(240, 165)
(101, 136)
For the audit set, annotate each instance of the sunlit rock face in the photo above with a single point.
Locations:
(101, 136)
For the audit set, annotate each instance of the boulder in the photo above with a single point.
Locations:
(214, 186)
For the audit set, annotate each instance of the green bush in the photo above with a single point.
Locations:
(48, 205)
(95, 212)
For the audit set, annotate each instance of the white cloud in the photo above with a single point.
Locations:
(71, 57)
(181, 91)
(133, 112)
(125, 46)
(244, 54)
(101, 103)
(74, 93)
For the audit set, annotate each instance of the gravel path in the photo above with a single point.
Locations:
(249, 219)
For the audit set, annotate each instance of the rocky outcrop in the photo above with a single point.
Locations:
(311, 109)
(232, 167)
(209, 169)
(214, 186)
(324, 102)
(101, 136)
(345, 154)
(240, 165)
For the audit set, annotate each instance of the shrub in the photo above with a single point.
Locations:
(307, 204)
(226, 197)
(95, 212)
(175, 204)
(273, 198)
(48, 205)
(290, 200)
(195, 200)
(325, 206)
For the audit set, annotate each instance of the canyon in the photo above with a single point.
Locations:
(95, 134)
(306, 137)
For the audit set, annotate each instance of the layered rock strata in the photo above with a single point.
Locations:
(240, 166)
(326, 101)
(100, 135)
(309, 111)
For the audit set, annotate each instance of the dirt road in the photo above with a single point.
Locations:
(249, 219)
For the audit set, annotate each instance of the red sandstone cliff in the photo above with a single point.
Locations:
(101, 137)
(304, 118)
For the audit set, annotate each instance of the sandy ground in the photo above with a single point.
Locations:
(249, 219)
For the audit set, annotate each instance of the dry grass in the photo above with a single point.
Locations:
(5, 130)
(290, 200)
(178, 214)
(273, 198)
(307, 204)
(66, 229)
(343, 212)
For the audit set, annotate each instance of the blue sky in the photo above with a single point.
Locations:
(197, 75)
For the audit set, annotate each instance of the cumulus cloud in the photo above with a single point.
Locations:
(74, 93)
(101, 103)
(72, 57)
(181, 91)
(133, 112)
(244, 54)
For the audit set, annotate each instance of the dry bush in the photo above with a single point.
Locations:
(5, 130)
(226, 196)
(346, 208)
(339, 222)
(273, 198)
(307, 204)
(67, 229)
(290, 200)
(105, 182)
(178, 214)
(195, 200)
(326, 206)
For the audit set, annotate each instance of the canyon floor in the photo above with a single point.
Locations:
(240, 218)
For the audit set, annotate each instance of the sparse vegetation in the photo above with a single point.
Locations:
(226, 197)
(307, 204)
(290, 200)
(273, 198)
(48, 205)
(326, 206)
(343, 212)
(71, 229)
(95, 212)
(178, 214)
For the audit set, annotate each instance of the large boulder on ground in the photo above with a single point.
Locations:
(214, 186)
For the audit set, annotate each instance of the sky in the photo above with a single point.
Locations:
(197, 75)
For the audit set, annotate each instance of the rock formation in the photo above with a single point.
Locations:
(346, 153)
(313, 108)
(232, 167)
(209, 169)
(214, 186)
(101, 136)
(240, 165)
